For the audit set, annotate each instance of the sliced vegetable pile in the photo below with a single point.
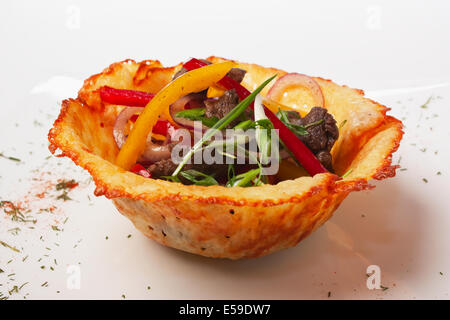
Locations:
(206, 99)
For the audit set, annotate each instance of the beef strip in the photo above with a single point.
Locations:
(326, 159)
(321, 137)
(220, 107)
(237, 74)
(162, 168)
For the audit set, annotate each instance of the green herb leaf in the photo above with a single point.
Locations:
(298, 130)
(255, 181)
(171, 178)
(347, 173)
(230, 172)
(209, 122)
(197, 114)
(244, 125)
(191, 114)
(283, 116)
(342, 124)
(198, 178)
(245, 179)
(312, 124)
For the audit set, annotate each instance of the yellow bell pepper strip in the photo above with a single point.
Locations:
(193, 81)
(215, 91)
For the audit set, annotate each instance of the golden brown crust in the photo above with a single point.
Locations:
(387, 170)
(216, 221)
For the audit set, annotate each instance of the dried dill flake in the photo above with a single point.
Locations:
(63, 196)
(14, 211)
(9, 246)
(14, 231)
(8, 207)
(9, 158)
(15, 289)
(425, 105)
(66, 184)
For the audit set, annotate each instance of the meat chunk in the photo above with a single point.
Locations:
(237, 74)
(166, 167)
(322, 133)
(321, 136)
(162, 168)
(325, 159)
(219, 107)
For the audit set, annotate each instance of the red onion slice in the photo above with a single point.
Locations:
(180, 105)
(296, 80)
(152, 152)
(121, 122)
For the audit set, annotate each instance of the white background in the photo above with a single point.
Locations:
(397, 51)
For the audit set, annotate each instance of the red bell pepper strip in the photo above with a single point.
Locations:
(125, 97)
(140, 170)
(301, 152)
(194, 64)
(161, 127)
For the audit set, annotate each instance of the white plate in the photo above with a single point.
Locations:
(397, 52)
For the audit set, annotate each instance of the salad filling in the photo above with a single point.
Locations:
(205, 114)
